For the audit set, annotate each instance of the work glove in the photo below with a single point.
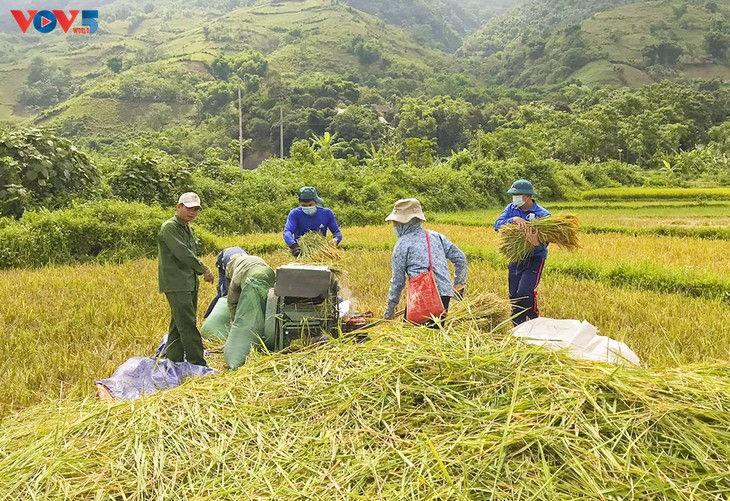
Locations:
(296, 251)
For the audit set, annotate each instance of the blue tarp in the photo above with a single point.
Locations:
(140, 376)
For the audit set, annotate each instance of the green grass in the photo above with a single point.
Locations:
(707, 221)
(605, 72)
(696, 194)
(660, 205)
(108, 116)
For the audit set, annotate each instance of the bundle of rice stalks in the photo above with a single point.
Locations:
(561, 230)
(414, 413)
(317, 247)
(484, 310)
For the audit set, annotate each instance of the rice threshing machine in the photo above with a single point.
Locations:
(303, 305)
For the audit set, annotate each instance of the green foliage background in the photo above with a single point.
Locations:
(447, 101)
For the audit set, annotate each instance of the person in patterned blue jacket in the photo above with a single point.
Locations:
(524, 276)
(410, 256)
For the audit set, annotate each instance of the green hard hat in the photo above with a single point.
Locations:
(521, 187)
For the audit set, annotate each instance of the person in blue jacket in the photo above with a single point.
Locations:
(311, 215)
(524, 276)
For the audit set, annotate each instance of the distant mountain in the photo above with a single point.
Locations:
(532, 18)
(299, 38)
(597, 42)
(443, 23)
(174, 67)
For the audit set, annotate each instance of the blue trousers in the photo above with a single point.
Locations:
(524, 277)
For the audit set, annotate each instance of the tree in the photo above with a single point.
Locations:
(357, 122)
(115, 63)
(420, 152)
(150, 176)
(717, 44)
(415, 119)
(46, 84)
(665, 53)
(157, 116)
(366, 52)
(327, 145)
(221, 67)
(455, 118)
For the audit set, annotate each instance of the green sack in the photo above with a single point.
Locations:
(218, 323)
(247, 330)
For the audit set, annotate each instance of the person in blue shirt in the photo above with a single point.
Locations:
(311, 215)
(524, 276)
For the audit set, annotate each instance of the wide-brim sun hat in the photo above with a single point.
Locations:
(406, 210)
(521, 187)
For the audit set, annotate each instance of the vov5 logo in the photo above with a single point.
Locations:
(45, 21)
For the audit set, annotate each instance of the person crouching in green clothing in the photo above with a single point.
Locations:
(178, 270)
(251, 278)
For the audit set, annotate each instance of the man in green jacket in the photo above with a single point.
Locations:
(178, 270)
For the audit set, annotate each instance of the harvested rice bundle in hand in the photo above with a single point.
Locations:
(317, 247)
(561, 230)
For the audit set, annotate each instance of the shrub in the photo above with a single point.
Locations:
(98, 231)
(149, 177)
(38, 168)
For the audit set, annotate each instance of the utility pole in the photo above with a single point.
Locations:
(240, 129)
(282, 96)
(281, 130)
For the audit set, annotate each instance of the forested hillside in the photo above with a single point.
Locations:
(441, 22)
(604, 42)
(532, 19)
(166, 75)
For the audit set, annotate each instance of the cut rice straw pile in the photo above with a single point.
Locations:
(482, 310)
(414, 413)
(561, 230)
(318, 248)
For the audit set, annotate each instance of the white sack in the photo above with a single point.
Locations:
(580, 339)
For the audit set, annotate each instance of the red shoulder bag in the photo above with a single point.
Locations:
(423, 299)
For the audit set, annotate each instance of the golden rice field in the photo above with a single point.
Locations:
(69, 325)
(559, 429)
